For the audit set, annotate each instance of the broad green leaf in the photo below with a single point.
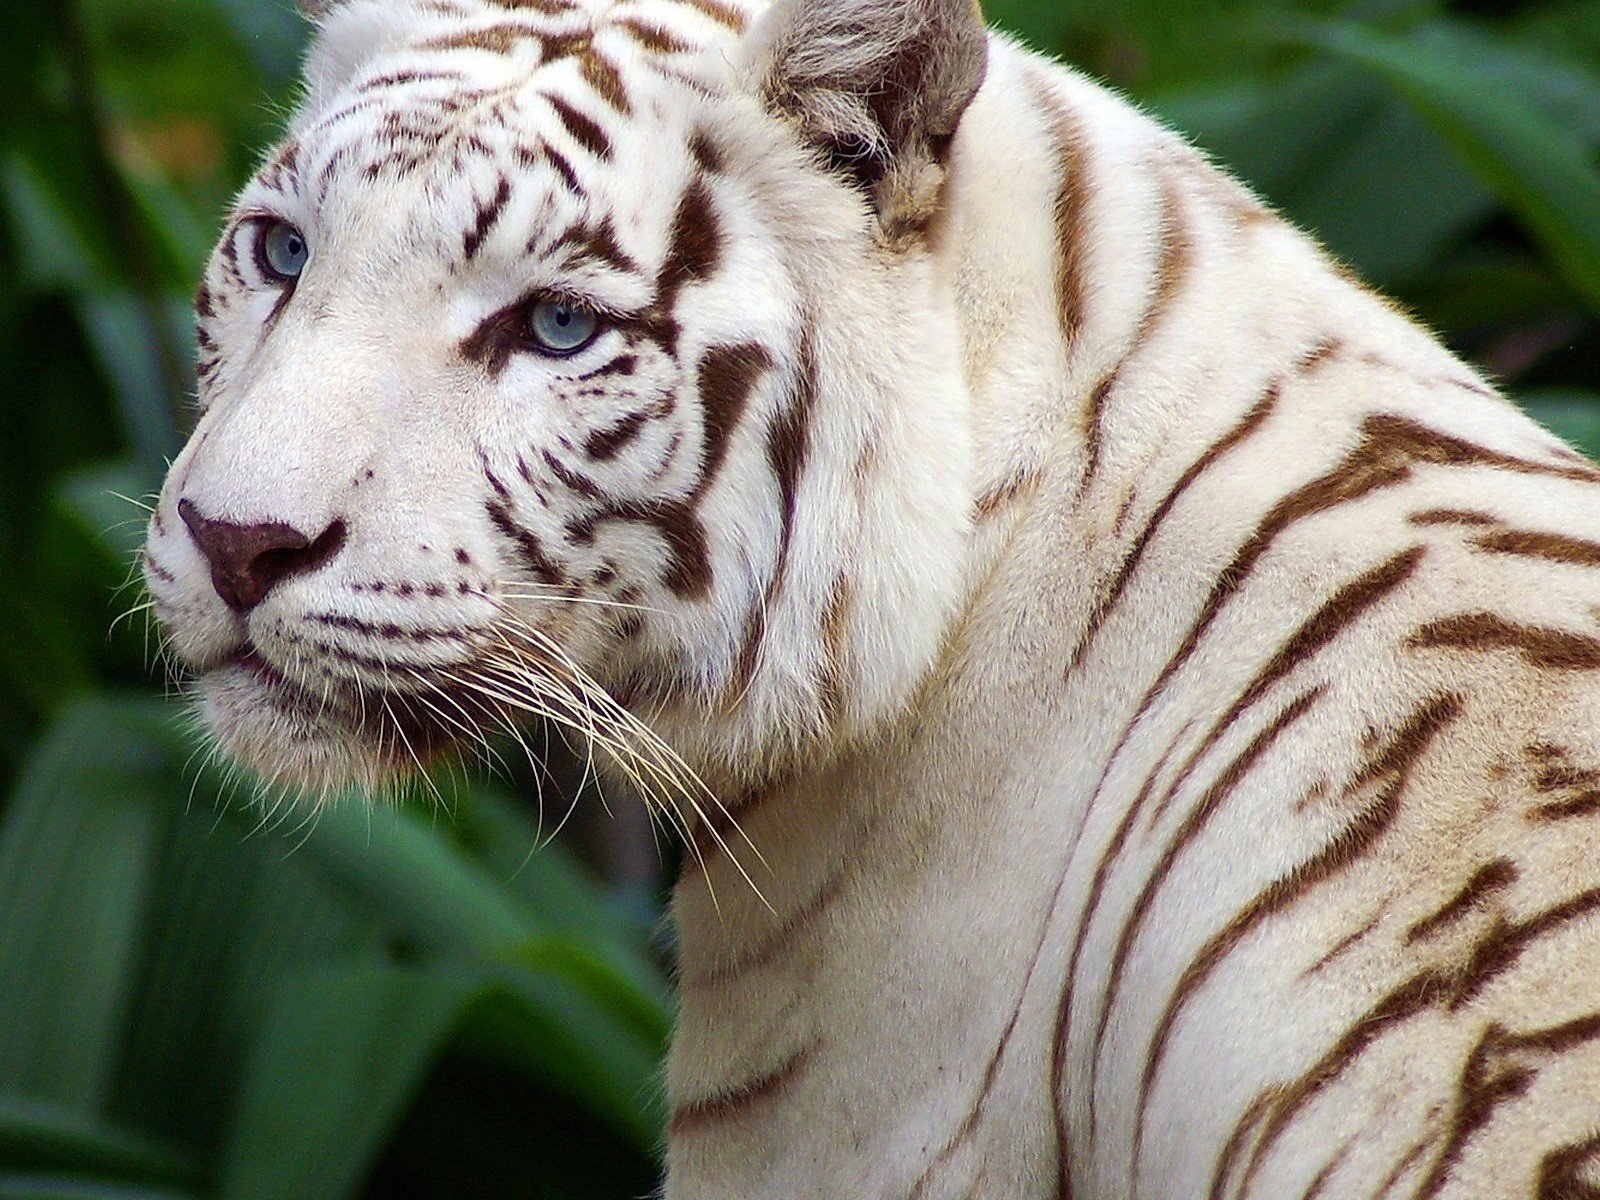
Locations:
(37, 1137)
(340, 1052)
(1543, 172)
(75, 864)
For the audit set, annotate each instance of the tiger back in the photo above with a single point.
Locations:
(1144, 688)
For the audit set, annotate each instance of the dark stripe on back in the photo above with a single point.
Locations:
(654, 38)
(1488, 879)
(1391, 768)
(1333, 617)
(1548, 649)
(1183, 837)
(1552, 547)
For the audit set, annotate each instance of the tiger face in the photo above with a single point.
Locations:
(575, 360)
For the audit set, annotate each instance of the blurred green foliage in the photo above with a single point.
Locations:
(198, 1002)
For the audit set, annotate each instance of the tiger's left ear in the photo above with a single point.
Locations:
(878, 87)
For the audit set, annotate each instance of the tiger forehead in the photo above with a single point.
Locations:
(524, 85)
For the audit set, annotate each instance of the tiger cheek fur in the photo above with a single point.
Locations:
(1149, 683)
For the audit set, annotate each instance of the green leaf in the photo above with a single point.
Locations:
(75, 865)
(1569, 414)
(340, 1052)
(56, 1187)
(1540, 170)
(38, 1137)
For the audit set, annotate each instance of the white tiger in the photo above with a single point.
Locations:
(1157, 681)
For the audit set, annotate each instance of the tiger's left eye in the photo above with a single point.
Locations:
(560, 327)
(283, 251)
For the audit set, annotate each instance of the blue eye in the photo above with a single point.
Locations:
(282, 250)
(560, 327)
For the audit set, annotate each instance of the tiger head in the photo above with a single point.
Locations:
(596, 360)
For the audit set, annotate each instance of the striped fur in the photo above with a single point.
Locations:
(1161, 683)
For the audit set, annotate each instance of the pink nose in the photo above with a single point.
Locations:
(248, 561)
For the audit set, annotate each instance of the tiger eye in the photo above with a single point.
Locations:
(283, 251)
(560, 327)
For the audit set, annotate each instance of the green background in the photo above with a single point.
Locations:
(403, 1001)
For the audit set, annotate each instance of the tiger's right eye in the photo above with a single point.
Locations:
(282, 251)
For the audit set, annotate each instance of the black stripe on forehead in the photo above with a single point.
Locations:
(581, 128)
(596, 243)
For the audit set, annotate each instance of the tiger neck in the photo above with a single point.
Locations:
(1070, 235)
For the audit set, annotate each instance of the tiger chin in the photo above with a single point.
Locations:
(1135, 693)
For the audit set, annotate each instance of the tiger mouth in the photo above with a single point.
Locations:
(322, 738)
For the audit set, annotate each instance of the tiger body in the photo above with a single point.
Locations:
(1152, 684)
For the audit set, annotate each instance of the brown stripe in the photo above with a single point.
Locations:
(602, 75)
(1177, 252)
(1500, 949)
(572, 480)
(1388, 449)
(654, 38)
(532, 549)
(563, 168)
(1561, 1172)
(605, 444)
(831, 669)
(727, 376)
(788, 447)
(487, 217)
(1414, 996)
(1182, 839)
(723, 14)
(775, 945)
(1490, 878)
(1013, 489)
(1554, 547)
(695, 248)
(698, 1115)
(688, 570)
(1337, 614)
(1482, 1089)
(1248, 425)
(1393, 766)
(494, 39)
(1453, 516)
(1343, 944)
(1406, 1161)
(1585, 804)
(1320, 1179)
(1070, 147)
(1550, 649)
(583, 129)
(598, 243)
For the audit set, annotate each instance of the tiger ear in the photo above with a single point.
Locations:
(877, 86)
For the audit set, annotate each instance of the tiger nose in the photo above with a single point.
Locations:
(248, 561)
